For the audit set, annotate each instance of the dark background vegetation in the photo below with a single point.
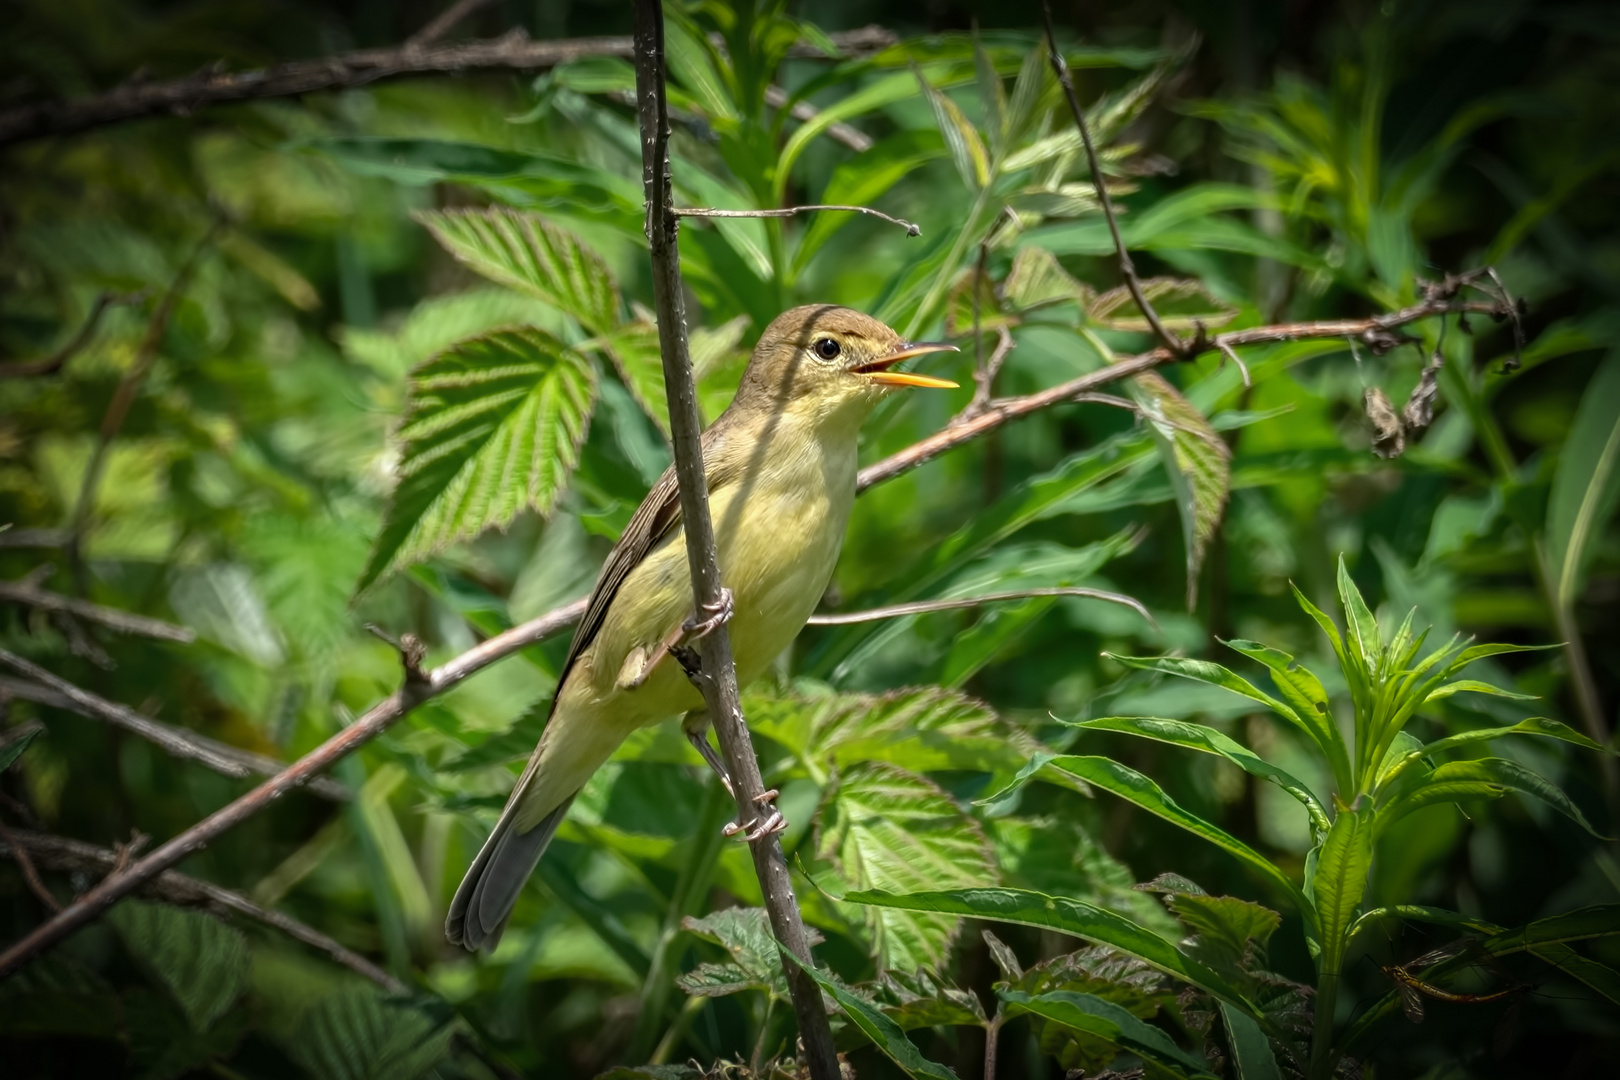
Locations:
(250, 477)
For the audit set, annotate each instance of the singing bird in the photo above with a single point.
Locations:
(780, 465)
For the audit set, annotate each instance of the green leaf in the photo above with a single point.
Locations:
(885, 1034)
(1303, 691)
(886, 91)
(992, 95)
(525, 252)
(1535, 725)
(1206, 671)
(916, 999)
(163, 1045)
(1480, 652)
(1251, 1050)
(11, 751)
(492, 426)
(862, 181)
(1037, 279)
(1586, 487)
(1445, 690)
(1104, 1019)
(884, 827)
(755, 962)
(1483, 778)
(1340, 881)
(1362, 628)
(1600, 977)
(961, 137)
(1134, 787)
(1207, 740)
(356, 1034)
(1198, 462)
(202, 962)
(1067, 916)
(1180, 303)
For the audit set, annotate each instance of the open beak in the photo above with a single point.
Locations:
(879, 370)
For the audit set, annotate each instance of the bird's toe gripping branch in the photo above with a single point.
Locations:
(769, 825)
(714, 616)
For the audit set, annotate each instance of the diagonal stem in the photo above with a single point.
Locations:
(1127, 269)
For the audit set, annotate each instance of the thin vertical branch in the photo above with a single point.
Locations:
(719, 682)
(1127, 269)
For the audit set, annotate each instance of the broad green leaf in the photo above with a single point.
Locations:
(1134, 787)
(1251, 1050)
(493, 426)
(1067, 916)
(1227, 933)
(13, 750)
(916, 999)
(201, 962)
(885, 1034)
(1060, 857)
(525, 252)
(1037, 279)
(961, 137)
(1483, 778)
(755, 962)
(925, 730)
(1180, 303)
(691, 62)
(1586, 487)
(1480, 652)
(1104, 1019)
(1207, 740)
(1340, 881)
(1600, 977)
(357, 1034)
(1445, 690)
(162, 1043)
(1198, 462)
(1302, 690)
(1214, 674)
(1535, 725)
(886, 828)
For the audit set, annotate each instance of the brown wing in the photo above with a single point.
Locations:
(658, 514)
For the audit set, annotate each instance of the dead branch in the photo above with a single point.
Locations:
(44, 688)
(719, 681)
(50, 365)
(183, 97)
(34, 538)
(790, 211)
(29, 595)
(1127, 269)
(19, 853)
(446, 21)
(63, 855)
(924, 607)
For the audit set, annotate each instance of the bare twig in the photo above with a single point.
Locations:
(1243, 369)
(446, 22)
(1127, 269)
(34, 538)
(222, 758)
(183, 97)
(1378, 331)
(30, 595)
(719, 681)
(377, 719)
(804, 112)
(49, 365)
(65, 855)
(923, 607)
(790, 211)
(20, 854)
(118, 408)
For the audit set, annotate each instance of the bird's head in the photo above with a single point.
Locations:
(830, 361)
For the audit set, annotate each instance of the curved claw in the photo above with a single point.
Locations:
(713, 616)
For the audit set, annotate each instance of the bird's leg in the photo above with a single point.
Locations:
(678, 643)
(714, 615)
(696, 728)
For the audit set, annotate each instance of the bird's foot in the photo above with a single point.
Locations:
(690, 662)
(714, 615)
(761, 827)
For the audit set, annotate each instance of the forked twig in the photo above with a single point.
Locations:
(1127, 269)
(790, 211)
(924, 607)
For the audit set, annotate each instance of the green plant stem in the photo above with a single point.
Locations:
(1327, 1000)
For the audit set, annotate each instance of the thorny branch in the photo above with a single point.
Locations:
(44, 688)
(1127, 269)
(719, 673)
(50, 365)
(64, 855)
(212, 86)
(1379, 332)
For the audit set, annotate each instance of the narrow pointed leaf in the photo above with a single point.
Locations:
(961, 138)
(1535, 725)
(13, 750)
(1134, 787)
(525, 252)
(1109, 1022)
(1480, 652)
(1361, 627)
(1302, 690)
(1484, 778)
(1445, 690)
(1600, 977)
(493, 426)
(1586, 487)
(1214, 674)
(992, 95)
(1251, 1050)
(1198, 462)
(885, 1034)
(1067, 916)
(1207, 740)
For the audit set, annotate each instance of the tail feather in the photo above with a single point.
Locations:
(491, 888)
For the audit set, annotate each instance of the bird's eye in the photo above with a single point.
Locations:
(826, 348)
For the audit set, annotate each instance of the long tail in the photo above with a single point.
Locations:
(491, 888)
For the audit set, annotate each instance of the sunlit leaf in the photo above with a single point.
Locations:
(1340, 881)
(885, 1034)
(1198, 462)
(961, 137)
(1037, 279)
(493, 426)
(755, 962)
(1483, 778)
(1180, 303)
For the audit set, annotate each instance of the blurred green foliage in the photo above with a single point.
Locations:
(353, 262)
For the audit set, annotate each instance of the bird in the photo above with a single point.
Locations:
(780, 467)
